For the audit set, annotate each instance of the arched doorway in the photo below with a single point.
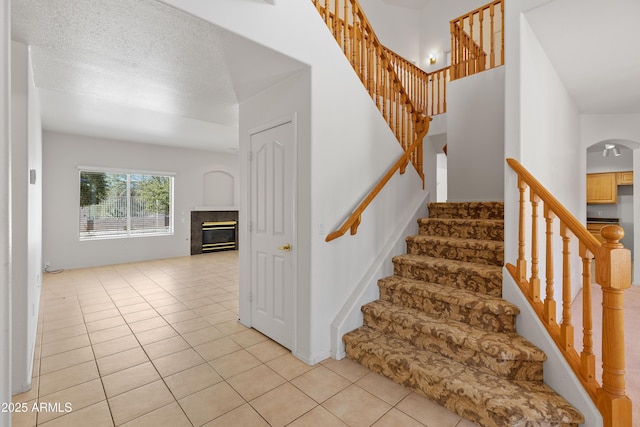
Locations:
(617, 155)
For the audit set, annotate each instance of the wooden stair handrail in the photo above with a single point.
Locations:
(576, 227)
(613, 274)
(353, 221)
(379, 77)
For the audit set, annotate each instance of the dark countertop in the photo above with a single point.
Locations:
(600, 219)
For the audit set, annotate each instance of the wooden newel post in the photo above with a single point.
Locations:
(613, 273)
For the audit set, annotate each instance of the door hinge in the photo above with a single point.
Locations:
(250, 297)
(250, 227)
(250, 155)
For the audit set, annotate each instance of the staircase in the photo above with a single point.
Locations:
(442, 329)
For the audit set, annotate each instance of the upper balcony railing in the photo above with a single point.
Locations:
(477, 40)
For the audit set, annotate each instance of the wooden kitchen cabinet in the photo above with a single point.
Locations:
(602, 188)
(624, 178)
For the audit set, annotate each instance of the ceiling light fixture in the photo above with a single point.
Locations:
(610, 148)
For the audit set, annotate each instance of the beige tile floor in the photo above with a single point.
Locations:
(157, 343)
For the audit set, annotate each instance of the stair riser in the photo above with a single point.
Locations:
(478, 255)
(490, 284)
(437, 342)
(467, 210)
(487, 321)
(462, 230)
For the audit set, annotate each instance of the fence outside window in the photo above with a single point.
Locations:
(124, 205)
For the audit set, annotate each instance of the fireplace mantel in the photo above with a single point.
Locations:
(215, 208)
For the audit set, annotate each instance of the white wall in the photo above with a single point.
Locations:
(417, 33)
(63, 153)
(527, 72)
(475, 137)
(350, 147)
(397, 28)
(550, 129)
(550, 140)
(5, 214)
(26, 156)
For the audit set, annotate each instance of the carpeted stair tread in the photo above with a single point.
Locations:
(462, 249)
(477, 210)
(454, 296)
(476, 309)
(504, 354)
(470, 392)
(485, 229)
(464, 275)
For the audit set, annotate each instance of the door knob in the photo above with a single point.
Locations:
(286, 248)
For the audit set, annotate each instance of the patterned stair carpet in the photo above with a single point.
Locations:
(442, 329)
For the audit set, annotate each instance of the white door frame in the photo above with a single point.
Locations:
(248, 317)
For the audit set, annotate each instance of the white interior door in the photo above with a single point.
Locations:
(272, 232)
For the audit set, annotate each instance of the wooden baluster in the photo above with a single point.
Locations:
(402, 135)
(336, 13)
(566, 328)
(444, 94)
(396, 116)
(481, 65)
(378, 86)
(372, 66)
(352, 42)
(432, 94)
(502, 32)
(534, 282)
(492, 47)
(549, 299)
(387, 91)
(587, 358)
(345, 34)
(454, 58)
(611, 399)
(325, 12)
(521, 264)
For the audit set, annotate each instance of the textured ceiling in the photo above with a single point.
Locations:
(140, 70)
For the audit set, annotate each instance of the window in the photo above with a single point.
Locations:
(123, 204)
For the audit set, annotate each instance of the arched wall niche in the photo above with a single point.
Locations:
(219, 188)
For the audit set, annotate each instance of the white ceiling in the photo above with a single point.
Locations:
(413, 4)
(141, 71)
(144, 71)
(591, 44)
